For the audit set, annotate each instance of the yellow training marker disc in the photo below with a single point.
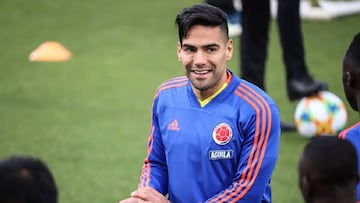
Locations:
(50, 51)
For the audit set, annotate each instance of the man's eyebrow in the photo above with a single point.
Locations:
(205, 46)
(211, 45)
(188, 46)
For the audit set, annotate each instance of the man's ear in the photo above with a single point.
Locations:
(229, 49)
(348, 79)
(178, 51)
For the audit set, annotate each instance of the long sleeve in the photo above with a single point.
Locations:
(154, 171)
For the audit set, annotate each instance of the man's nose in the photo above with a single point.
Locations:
(200, 58)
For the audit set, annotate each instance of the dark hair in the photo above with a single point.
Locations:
(201, 14)
(26, 180)
(330, 160)
(352, 56)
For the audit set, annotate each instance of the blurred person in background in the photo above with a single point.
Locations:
(351, 84)
(328, 171)
(26, 179)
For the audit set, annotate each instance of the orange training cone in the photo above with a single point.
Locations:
(50, 51)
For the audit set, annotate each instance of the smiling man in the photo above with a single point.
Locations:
(214, 137)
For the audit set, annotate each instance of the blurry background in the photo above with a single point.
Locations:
(88, 118)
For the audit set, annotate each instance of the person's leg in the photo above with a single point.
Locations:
(253, 45)
(288, 19)
(299, 81)
(254, 40)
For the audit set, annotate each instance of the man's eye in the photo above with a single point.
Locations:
(211, 50)
(189, 49)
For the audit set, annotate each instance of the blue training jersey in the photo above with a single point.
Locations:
(353, 135)
(225, 151)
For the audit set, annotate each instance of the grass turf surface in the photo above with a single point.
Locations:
(89, 118)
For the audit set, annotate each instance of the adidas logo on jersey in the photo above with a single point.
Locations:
(174, 125)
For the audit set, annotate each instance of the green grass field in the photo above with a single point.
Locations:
(89, 118)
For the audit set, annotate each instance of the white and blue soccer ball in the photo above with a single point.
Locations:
(321, 114)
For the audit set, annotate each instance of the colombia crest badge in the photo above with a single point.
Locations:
(222, 134)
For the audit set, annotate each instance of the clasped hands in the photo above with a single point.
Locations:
(145, 195)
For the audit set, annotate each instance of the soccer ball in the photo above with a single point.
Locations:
(321, 114)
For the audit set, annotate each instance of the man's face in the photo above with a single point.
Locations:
(204, 54)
